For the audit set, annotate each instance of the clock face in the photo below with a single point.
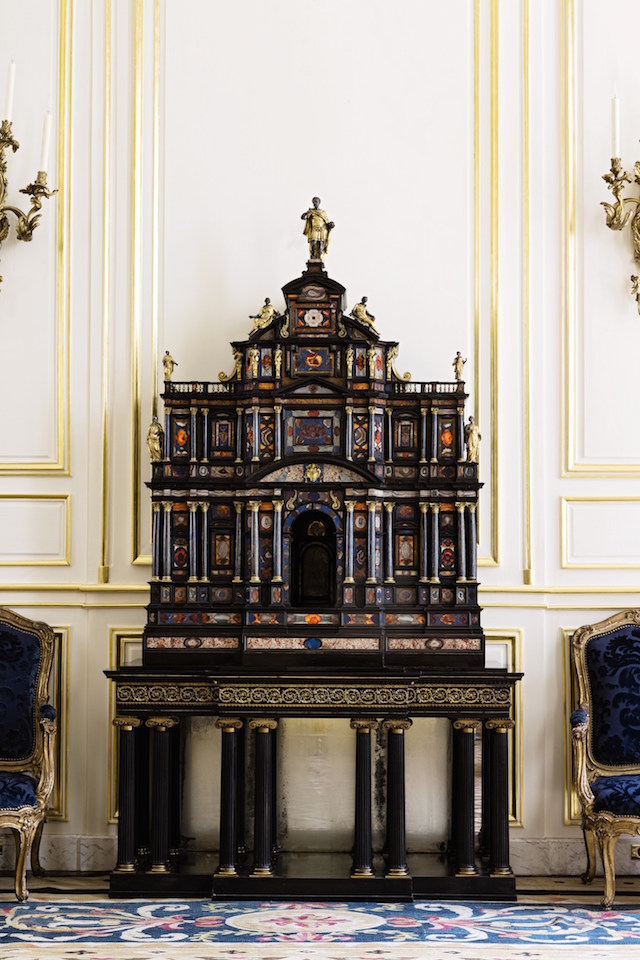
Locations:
(313, 318)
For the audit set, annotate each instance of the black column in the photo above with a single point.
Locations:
(142, 792)
(362, 847)
(262, 842)
(499, 787)
(463, 819)
(228, 797)
(127, 794)
(484, 840)
(241, 740)
(160, 791)
(396, 831)
(175, 795)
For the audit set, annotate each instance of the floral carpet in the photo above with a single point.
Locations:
(204, 930)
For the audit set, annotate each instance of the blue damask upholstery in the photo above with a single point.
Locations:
(613, 669)
(619, 795)
(20, 654)
(17, 790)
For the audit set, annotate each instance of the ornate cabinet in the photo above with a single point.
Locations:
(314, 518)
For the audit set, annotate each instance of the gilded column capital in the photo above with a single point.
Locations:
(363, 725)
(263, 724)
(161, 723)
(371, 505)
(435, 508)
(254, 506)
(238, 506)
(155, 506)
(460, 507)
(204, 505)
(229, 724)
(167, 504)
(193, 411)
(467, 726)
(127, 723)
(389, 505)
(372, 408)
(193, 505)
(277, 408)
(278, 505)
(350, 505)
(424, 507)
(472, 507)
(500, 725)
(397, 726)
(348, 408)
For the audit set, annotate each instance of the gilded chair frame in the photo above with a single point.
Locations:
(27, 821)
(601, 828)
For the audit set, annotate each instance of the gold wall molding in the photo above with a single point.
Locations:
(564, 546)
(511, 642)
(59, 466)
(570, 465)
(572, 808)
(527, 573)
(65, 559)
(59, 697)
(103, 569)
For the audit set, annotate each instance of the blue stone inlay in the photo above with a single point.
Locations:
(312, 643)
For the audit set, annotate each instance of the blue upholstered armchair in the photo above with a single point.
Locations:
(606, 737)
(27, 735)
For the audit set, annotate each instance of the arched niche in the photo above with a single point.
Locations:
(313, 560)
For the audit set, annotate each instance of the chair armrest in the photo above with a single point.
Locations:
(579, 720)
(49, 729)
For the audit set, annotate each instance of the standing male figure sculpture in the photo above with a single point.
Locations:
(317, 229)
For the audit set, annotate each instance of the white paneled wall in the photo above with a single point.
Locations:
(459, 149)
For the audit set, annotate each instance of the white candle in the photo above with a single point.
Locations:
(46, 132)
(615, 126)
(11, 79)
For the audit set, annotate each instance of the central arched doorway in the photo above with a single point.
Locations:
(313, 555)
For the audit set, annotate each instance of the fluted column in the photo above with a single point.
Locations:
(194, 434)
(371, 541)
(263, 841)
(156, 539)
(277, 541)
(193, 541)
(160, 792)
(460, 435)
(277, 413)
(255, 456)
(228, 796)
(423, 435)
(166, 540)
(349, 544)
(205, 434)
(389, 578)
(362, 848)
(389, 438)
(127, 794)
(434, 435)
(254, 507)
(372, 424)
(204, 573)
(472, 543)
(424, 543)
(463, 813)
(462, 546)
(349, 433)
(396, 829)
(499, 789)
(239, 437)
(435, 543)
(237, 552)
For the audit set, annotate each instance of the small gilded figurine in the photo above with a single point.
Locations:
(472, 438)
(317, 228)
(168, 363)
(264, 316)
(458, 365)
(372, 357)
(350, 355)
(361, 313)
(635, 289)
(155, 440)
(277, 362)
(253, 358)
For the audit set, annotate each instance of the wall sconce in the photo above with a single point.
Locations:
(617, 215)
(26, 222)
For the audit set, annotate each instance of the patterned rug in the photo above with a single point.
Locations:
(203, 930)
